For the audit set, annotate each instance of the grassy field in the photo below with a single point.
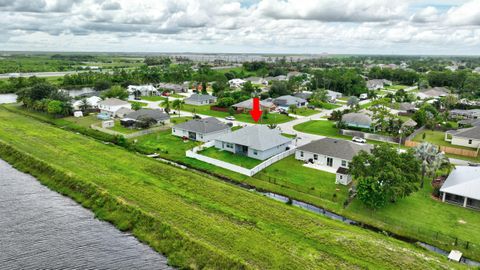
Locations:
(273, 118)
(304, 112)
(219, 219)
(142, 104)
(153, 98)
(242, 161)
(321, 127)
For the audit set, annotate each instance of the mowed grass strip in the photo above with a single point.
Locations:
(264, 233)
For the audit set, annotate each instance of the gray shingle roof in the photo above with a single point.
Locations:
(248, 104)
(471, 133)
(405, 106)
(463, 181)
(155, 114)
(335, 148)
(288, 100)
(357, 118)
(258, 137)
(205, 126)
(199, 97)
(113, 102)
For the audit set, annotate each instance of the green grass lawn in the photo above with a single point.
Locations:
(177, 120)
(222, 219)
(436, 137)
(320, 127)
(142, 104)
(304, 111)
(175, 95)
(366, 105)
(119, 128)
(242, 161)
(330, 106)
(273, 118)
(153, 98)
(396, 87)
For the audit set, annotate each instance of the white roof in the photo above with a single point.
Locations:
(463, 181)
(455, 255)
(148, 87)
(113, 102)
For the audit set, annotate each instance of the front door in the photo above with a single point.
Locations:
(192, 136)
(329, 161)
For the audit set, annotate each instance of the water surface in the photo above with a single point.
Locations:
(41, 229)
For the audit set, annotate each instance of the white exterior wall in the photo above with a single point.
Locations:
(322, 159)
(112, 109)
(201, 137)
(464, 142)
(343, 179)
(261, 155)
(200, 103)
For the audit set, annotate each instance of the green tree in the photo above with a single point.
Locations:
(352, 102)
(166, 105)
(84, 106)
(116, 91)
(248, 87)
(55, 107)
(431, 159)
(136, 106)
(293, 108)
(177, 104)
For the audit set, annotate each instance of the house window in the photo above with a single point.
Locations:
(229, 145)
(329, 161)
(173, 130)
(301, 153)
(344, 163)
(255, 152)
(341, 177)
(315, 157)
(469, 141)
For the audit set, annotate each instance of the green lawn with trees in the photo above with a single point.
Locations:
(197, 221)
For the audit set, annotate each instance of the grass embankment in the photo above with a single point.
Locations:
(242, 161)
(196, 221)
(418, 216)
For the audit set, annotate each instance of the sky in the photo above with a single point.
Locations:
(423, 27)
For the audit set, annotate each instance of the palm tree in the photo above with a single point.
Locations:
(431, 157)
(352, 102)
(84, 106)
(166, 105)
(177, 104)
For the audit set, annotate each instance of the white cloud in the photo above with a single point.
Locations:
(337, 26)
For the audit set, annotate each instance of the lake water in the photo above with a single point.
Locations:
(41, 229)
(8, 98)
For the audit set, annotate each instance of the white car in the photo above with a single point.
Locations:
(359, 140)
(230, 118)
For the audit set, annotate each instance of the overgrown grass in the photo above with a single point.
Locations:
(196, 221)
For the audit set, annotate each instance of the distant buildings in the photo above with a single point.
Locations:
(247, 105)
(158, 115)
(199, 99)
(236, 83)
(111, 105)
(468, 137)
(143, 90)
(378, 84)
(286, 101)
(202, 130)
(433, 93)
(358, 120)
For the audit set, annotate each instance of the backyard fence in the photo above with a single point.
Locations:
(193, 153)
(448, 150)
(369, 136)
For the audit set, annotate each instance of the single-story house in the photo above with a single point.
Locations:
(236, 83)
(305, 95)
(469, 137)
(462, 187)
(435, 92)
(358, 119)
(247, 105)
(122, 112)
(287, 100)
(199, 99)
(111, 105)
(469, 123)
(280, 78)
(333, 96)
(143, 90)
(474, 113)
(258, 142)
(476, 70)
(293, 74)
(159, 115)
(332, 153)
(406, 107)
(92, 102)
(177, 88)
(202, 130)
(410, 123)
(257, 80)
(377, 84)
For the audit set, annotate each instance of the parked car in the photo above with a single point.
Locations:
(230, 124)
(359, 140)
(166, 94)
(363, 96)
(230, 118)
(311, 107)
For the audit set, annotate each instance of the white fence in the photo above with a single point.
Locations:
(232, 167)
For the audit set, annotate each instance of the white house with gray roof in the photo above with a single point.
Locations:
(332, 155)
(462, 187)
(286, 101)
(358, 119)
(111, 105)
(203, 130)
(469, 137)
(199, 99)
(258, 142)
(159, 115)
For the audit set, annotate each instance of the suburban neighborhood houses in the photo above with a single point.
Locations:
(203, 130)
